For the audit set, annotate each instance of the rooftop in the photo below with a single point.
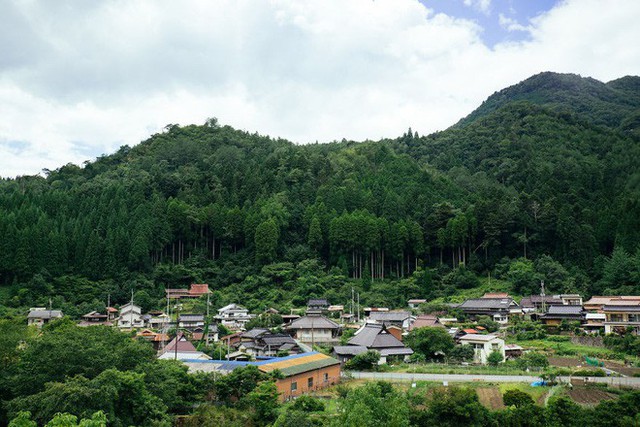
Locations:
(487, 304)
(375, 336)
(313, 322)
(389, 316)
(478, 338)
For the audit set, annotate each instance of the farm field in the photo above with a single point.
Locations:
(589, 396)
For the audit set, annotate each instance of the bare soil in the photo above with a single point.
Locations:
(566, 362)
(589, 396)
(490, 397)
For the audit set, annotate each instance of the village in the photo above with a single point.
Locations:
(311, 348)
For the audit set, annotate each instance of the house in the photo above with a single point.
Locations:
(231, 339)
(368, 310)
(191, 321)
(558, 313)
(260, 342)
(299, 373)
(181, 349)
(570, 299)
(156, 320)
(596, 304)
(234, 316)
(313, 329)
(415, 303)
(483, 346)
(95, 318)
(335, 310)
(156, 339)
(130, 317)
(207, 333)
(621, 316)
(373, 336)
(426, 321)
(39, 316)
(403, 319)
(494, 295)
(315, 305)
(512, 351)
(539, 303)
(196, 290)
(594, 322)
(498, 309)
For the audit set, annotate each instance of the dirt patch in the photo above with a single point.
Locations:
(622, 369)
(491, 398)
(566, 362)
(589, 396)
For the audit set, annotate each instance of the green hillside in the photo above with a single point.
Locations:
(547, 170)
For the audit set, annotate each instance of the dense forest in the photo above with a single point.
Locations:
(540, 182)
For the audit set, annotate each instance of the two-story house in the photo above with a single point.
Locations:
(130, 317)
(621, 316)
(234, 316)
(483, 346)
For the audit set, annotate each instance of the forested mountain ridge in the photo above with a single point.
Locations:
(272, 223)
(614, 104)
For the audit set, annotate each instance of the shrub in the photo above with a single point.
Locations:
(307, 404)
(517, 398)
(494, 358)
(364, 361)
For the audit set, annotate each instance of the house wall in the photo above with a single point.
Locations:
(319, 335)
(302, 382)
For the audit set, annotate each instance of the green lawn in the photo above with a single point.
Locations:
(565, 348)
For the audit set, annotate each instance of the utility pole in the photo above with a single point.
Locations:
(544, 305)
(358, 307)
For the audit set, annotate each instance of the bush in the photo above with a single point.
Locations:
(516, 398)
(494, 358)
(307, 404)
(533, 360)
(589, 373)
(364, 361)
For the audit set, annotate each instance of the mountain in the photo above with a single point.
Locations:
(548, 169)
(610, 104)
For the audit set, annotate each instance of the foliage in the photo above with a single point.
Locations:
(431, 343)
(371, 405)
(307, 404)
(532, 359)
(517, 398)
(364, 361)
(462, 353)
(494, 358)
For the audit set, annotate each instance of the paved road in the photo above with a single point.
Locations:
(468, 378)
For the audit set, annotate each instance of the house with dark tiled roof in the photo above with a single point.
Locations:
(373, 336)
(402, 319)
(314, 329)
(40, 316)
(426, 321)
(622, 316)
(260, 342)
(191, 321)
(499, 309)
(557, 313)
(95, 318)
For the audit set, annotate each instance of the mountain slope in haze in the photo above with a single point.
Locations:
(612, 104)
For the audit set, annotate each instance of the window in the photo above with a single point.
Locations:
(495, 346)
(634, 318)
(310, 382)
(615, 317)
(294, 386)
(326, 377)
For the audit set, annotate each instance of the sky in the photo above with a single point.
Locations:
(79, 78)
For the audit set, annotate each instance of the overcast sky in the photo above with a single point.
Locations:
(81, 78)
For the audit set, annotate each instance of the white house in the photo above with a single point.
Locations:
(483, 345)
(234, 316)
(130, 317)
(314, 329)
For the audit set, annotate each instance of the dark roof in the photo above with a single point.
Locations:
(315, 322)
(627, 308)
(403, 351)
(255, 332)
(533, 300)
(44, 314)
(191, 318)
(278, 339)
(487, 304)
(565, 309)
(389, 316)
(349, 350)
(374, 336)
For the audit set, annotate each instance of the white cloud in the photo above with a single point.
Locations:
(511, 24)
(83, 78)
(483, 6)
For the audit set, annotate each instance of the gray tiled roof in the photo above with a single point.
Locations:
(191, 318)
(374, 336)
(625, 308)
(565, 309)
(255, 332)
(315, 322)
(487, 304)
(44, 314)
(389, 316)
(349, 350)
(404, 351)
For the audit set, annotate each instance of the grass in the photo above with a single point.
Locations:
(566, 348)
(441, 368)
(486, 285)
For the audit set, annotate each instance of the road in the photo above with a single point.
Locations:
(469, 378)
